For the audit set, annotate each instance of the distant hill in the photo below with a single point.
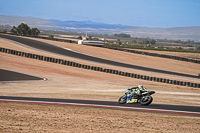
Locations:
(176, 33)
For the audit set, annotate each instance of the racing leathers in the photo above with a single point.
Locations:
(131, 93)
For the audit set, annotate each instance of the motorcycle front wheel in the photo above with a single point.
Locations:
(146, 100)
(122, 99)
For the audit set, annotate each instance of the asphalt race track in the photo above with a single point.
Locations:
(178, 109)
(6, 75)
(58, 50)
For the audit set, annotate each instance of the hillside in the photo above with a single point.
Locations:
(175, 33)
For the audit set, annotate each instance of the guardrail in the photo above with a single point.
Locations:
(156, 55)
(95, 68)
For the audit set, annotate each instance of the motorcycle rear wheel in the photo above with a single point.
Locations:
(122, 99)
(146, 100)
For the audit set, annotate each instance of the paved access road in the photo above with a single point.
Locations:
(6, 75)
(178, 109)
(58, 50)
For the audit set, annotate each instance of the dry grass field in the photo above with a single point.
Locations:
(75, 83)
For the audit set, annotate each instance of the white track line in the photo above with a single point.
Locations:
(103, 106)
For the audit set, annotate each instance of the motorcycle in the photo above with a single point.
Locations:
(144, 98)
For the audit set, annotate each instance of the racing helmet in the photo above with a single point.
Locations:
(141, 87)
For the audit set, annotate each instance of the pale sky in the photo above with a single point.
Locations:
(148, 13)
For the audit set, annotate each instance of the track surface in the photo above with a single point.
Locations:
(62, 51)
(6, 75)
(107, 104)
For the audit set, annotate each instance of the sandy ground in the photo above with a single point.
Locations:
(31, 118)
(75, 83)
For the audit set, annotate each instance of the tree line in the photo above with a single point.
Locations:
(149, 41)
(122, 35)
(24, 30)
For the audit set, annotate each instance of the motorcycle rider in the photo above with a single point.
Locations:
(132, 92)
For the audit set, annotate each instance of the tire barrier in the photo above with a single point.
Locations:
(100, 69)
(156, 55)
